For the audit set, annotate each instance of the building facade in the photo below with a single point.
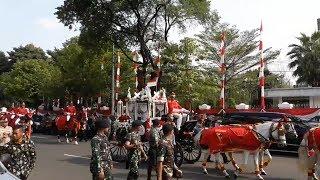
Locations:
(306, 97)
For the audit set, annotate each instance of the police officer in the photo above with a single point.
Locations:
(101, 160)
(133, 144)
(153, 143)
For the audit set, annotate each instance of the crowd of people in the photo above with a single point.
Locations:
(160, 156)
(16, 147)
(18, 151)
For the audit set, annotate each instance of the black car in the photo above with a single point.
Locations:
(259, 117)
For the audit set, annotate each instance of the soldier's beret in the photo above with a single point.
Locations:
(102, 123)
(137, 123)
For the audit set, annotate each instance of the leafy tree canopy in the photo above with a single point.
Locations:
(305, 58)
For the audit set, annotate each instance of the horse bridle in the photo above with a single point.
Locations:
(281, 131)
(271, 130)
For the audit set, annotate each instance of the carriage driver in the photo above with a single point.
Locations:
(176, 110)
(70, 110)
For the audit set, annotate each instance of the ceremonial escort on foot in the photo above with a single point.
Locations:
(101, 160)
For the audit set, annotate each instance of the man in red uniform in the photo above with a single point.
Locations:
(70, 110)
(22, 110)
(176, 110)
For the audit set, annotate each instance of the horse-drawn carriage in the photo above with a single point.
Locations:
(141, 107)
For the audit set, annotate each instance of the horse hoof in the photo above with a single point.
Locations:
(260, 177)
(263, 173)
(76, 143)
(205, 171)
(235, 176)
(68, 141)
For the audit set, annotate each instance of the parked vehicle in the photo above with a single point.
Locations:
(315, 121)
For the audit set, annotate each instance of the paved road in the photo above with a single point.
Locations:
(66, 161)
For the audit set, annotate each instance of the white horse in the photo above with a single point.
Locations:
(309, 158)
(263, 132)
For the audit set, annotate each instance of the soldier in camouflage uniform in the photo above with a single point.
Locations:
(101, 160)
(132, 144)
(22, 154)
(165, 157)
(153, 143)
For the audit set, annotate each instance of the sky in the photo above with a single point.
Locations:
(33, 21)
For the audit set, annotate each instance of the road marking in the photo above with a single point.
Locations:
(40, 137)
(82, 157)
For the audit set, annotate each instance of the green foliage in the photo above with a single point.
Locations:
(241, 47)
(305, 58)
(189, 82)
(232, 103)
(4, 63)
(87, 73)
(31, 79)
(245, 87)
(139, 24)
(27, 52)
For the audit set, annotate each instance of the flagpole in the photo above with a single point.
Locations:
(222, 70)
(261, 72)
(112, 94)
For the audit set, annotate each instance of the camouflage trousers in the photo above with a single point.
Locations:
(107, 176)
(133, 162)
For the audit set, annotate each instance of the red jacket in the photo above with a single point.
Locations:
(71, 109)
(173, 104)
(22, 111)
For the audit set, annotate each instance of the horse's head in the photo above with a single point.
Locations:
(290, 129)
(278, 132)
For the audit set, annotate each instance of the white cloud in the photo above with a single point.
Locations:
(49, 23)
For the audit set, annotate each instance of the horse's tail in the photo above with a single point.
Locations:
(303, 159)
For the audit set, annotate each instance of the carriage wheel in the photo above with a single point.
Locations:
(191, 153)
(178, 154)
(118, 152)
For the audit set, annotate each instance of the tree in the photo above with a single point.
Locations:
(4, 63)
(23, 53)
(305, 58)
(31, 80)
(241, 48)
(245, 87)
(131, 23)
(88, 73)
(27, 52)
(191, 83)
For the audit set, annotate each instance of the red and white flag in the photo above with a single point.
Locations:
(222, 69)
(261, 72)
